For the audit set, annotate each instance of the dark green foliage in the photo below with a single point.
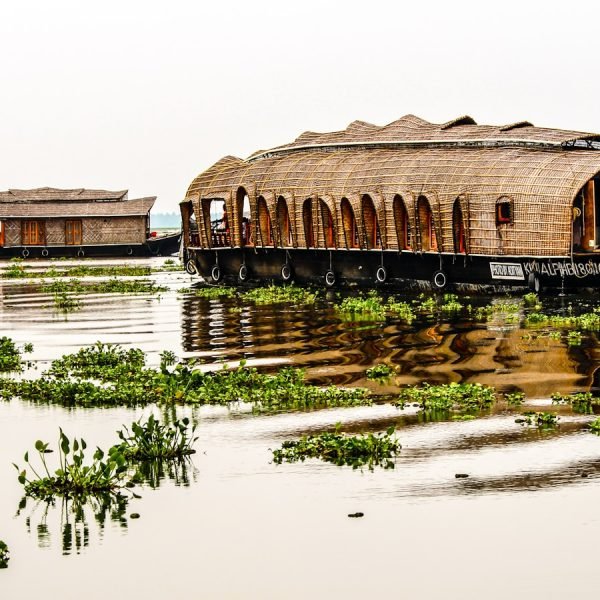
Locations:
(151, 440)
(582, 402)
(353, 450)
(124, 380)
(73, 477)
(542, 420)
(595, 426)
(380, 372)
(11, 355)
(4, 555)
(447, 397)
(515, 398)
(275, 294)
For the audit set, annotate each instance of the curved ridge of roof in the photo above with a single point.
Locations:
(411, 130)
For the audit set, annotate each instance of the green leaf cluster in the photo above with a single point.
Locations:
(448, 397)
(357, 451)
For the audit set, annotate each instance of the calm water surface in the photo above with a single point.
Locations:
(230, 524)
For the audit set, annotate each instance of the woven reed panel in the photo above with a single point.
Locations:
(12, 232)
(55, 232)
(117, 230)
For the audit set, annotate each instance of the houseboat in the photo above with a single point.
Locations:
(51, 222)
(412, 201)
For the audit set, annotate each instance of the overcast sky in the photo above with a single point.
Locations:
(144, 95)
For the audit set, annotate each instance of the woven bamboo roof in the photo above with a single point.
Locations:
(45, 194)
(79, 209)
(413, 156)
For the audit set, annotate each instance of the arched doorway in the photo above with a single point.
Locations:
(242, 203)
(349, 224)
(458, 229)
(284, 223)
(426, 225)
(328, 227)
(371, 223)
(402, 225)
(264, 222)
(307, 221)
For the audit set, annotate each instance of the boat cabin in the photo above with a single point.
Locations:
(47, 221)
(409, 201)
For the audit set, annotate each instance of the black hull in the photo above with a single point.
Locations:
(162, 246)
(402, 269)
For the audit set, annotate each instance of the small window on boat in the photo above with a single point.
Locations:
(504, 212)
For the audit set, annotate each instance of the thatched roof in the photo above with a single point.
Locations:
(78, 209)
(46, 194)
(413, 156)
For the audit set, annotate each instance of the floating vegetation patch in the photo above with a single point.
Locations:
(18, 271)
(110, 286)
(356, 451)
(209, 292)
(151, 440)
(11, 356)
(582, 402)
(373, 307)
(466, 397)
(171, 265)
(542, 420)
(589, 321)
(514, 398)
(279, 294)
(595, 426)
(381, 373)
(107, 375)
(4, 555)
(73, 477)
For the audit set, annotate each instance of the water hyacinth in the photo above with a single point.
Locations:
(275, 294)
(11, 355)
(4, 555)
(356, 451)
(105, 375)
(448, 397)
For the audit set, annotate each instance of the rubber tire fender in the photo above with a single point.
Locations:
(330, 278)
(286, 272)
(243, 273)
(190, 267)
(381, 274)
(215, 273)
(439, 280)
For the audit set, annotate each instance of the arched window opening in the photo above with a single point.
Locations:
(264, 222)
(458, 229)
(220, 234)
(328, 228)
(426, 225)
(504, 211)
(403, 233)
(284, 222)
(242, 203)
(307, 221)
(349, 224)
(371, 223)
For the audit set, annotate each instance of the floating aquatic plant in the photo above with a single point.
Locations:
(542, 420)
(582, 402)
(595, 426)
(73, 477)
(11, 356)
(381, 372)
(369, 449)
(448, 397)
(209, 292)
(514, 398)
(4, 555)
(151, 440)
(280, 294)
